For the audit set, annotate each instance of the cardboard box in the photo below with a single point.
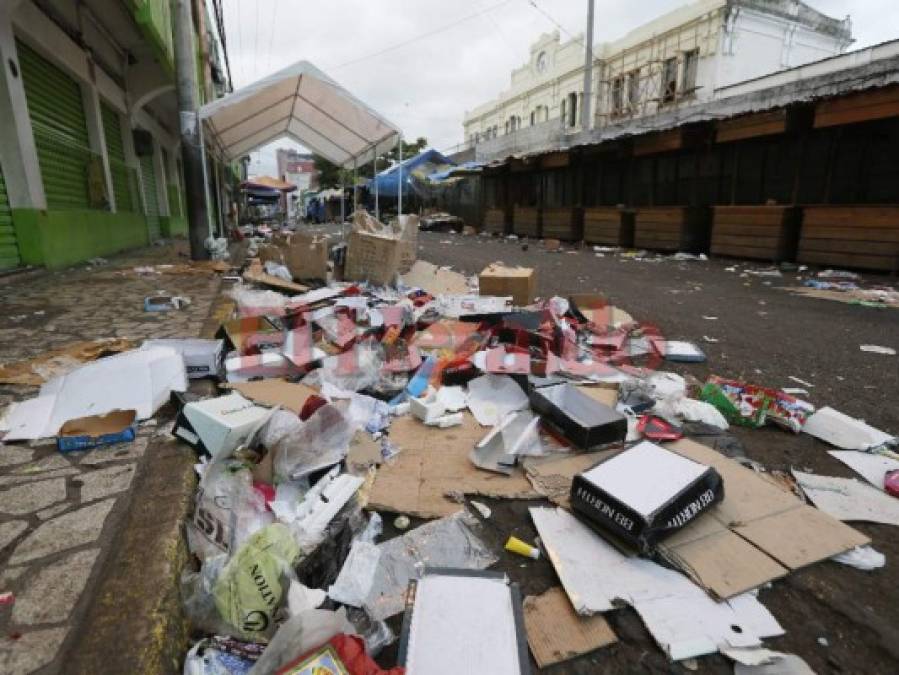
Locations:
(96, 431)
(578, 417)
(645, 493)
(518, 282)
(222, 424)
(372, 257)
(202, 358)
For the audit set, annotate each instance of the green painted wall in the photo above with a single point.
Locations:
(173, 226)
(60, 238)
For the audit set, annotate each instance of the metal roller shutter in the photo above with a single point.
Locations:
(9, 249)
(122, 175)
(150, 195)
(60, 130)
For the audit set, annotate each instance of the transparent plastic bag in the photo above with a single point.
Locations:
(356, 369)
(319, 442)
(227, 511)
(300, 634)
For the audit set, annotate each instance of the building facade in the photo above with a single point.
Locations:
(297, 168)
(677, 60)
(90, 146)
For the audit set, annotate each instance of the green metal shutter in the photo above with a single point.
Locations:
(123, 178)
(60, 130)
(148, 174)
(9, 250)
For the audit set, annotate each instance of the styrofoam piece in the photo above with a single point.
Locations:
(454, 399)
(865, 558)
(141, 380)
(321, 504)
(872, 467)
(427, 408)
(492, 397)
(848, 433)
(470, 617)
(265, 365)
(784, 664)
(682, 618)
(848, 499)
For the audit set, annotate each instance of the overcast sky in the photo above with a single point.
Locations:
(423, 63)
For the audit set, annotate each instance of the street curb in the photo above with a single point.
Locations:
(135, 621)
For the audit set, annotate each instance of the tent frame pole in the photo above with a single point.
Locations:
(375, 179)
(399, 201)
(355, 183)
(206, 195)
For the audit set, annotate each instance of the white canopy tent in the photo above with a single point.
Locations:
(304, 104)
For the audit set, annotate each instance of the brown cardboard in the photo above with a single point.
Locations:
(239, 330)
(556, 633)
(518, 282)
(372, 257)
(434, 463)
(99, 425)
(552, 478)
(59, 361)
(757, 534)
(363, 454)
(275, 392)
(435, 280)
(255, 273)
(445, 334)
(608, 396)
(264, 471)
(306, 257)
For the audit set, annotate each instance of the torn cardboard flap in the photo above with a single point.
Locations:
(56, 362)
(435, 280)
(256, 274)
(434, 463)
(99, 425)
(552, 477)
(556, 633)
(757, 534)
(275, 393)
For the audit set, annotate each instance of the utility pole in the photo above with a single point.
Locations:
(586, 122)
(191, 138)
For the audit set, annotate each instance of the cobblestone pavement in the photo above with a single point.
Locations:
(59, 513)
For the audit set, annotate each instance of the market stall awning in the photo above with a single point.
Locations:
(304, 104)
(267, 182)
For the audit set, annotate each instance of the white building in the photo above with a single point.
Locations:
(677, 59)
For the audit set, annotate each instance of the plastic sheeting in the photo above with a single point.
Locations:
(304, 104)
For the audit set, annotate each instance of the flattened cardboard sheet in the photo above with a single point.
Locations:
(434, 463)
(275, 393)
(556, 633)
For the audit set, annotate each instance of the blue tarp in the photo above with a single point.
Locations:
(467, 167)
(414, 168)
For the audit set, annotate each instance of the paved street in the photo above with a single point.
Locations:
(60, 514)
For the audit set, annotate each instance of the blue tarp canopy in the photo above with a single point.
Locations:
(461, 169)
(416, 168)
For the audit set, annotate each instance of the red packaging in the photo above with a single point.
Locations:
(891, 483)
(340, 654)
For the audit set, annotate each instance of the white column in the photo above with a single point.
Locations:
(18, 154)
(96, 136)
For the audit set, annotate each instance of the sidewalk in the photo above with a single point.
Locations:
(61, 515)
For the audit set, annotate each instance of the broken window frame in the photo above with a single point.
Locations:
(617, 95)
(669, 80)
(633, 90)
(691, 70)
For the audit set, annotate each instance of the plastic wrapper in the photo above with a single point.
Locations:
(742, 404)
(277, 270)
(209, 657)
(676, 408)
(356, 369)
(375, 577)
(228, 510)
(279, 426)
(198, 599)
(251, 302)
(377, 634)
(321, 441)
(298, 635)
(250, 587)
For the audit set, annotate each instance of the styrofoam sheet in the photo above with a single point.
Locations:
(462, 624)
(645, 477)
(848, 433)
(682, 618)
(140, 380)
(871, 466)
(848, 499)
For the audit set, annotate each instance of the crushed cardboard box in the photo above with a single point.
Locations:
(304, 255)
(56, 362)
(275, 393)
(256, 273)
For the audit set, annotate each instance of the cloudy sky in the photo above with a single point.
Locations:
(423, 63)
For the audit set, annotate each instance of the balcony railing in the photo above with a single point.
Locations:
(550, 135)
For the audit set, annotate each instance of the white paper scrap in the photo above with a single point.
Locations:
(848, 499)
(872, 467)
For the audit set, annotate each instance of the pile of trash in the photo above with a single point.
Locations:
(352, 410)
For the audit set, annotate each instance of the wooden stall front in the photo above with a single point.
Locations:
(672, 228)
(494, 221)
(526, 221)
(609, 226)
(758, 232)
(864, 237)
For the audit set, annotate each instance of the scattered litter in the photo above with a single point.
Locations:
(375, 577)
(492, 397)
(863, 558)
(783, 664)
(832, 426)
(802, 382)
(681, 617)
(57, 362)
(876, 349)
(481, 508)
(165, 303)
(871, 466)
(515, 545)
(402, 522)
